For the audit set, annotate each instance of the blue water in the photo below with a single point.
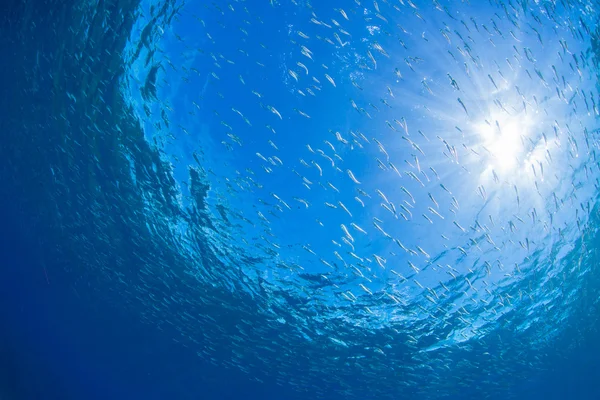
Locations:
(294, 200)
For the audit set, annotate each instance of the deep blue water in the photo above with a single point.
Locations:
(180, 219)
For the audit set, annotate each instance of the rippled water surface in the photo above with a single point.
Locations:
(318, 200)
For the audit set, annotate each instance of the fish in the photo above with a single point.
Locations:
(330, 79)
(351, 175)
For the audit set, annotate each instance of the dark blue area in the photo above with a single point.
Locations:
(55, 347)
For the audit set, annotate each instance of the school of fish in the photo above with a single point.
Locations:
(362, 198)
(422, 170)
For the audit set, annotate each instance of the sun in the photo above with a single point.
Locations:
(502, 138)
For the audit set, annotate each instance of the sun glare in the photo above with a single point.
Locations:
(502, 138)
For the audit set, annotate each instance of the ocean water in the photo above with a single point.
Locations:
(285, 199)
